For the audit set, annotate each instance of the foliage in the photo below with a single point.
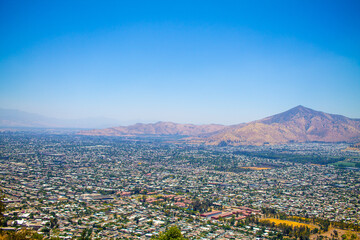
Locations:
(287, 222)
(201, 206)
(349, 236)
(23, 234)
(324, 224)
(298, 158)
(173, 233)
(86, 234)
(136, 190)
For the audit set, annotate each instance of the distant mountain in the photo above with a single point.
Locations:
(16, 118)
(299, 124)
(159, 128)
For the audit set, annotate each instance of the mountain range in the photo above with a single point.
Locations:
(15, 118)
(299, 124)
(159, 128)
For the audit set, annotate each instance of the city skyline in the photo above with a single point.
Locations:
(185, 62)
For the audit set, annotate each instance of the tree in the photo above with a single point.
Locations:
(86, 234)
(22, 234)
(136, 190)
(173, 233)
(53, 222)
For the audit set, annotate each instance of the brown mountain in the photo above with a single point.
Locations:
(299, 124)
(159, 128)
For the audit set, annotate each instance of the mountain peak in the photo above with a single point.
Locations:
(292, 114)
(299, 124)
(301, 108)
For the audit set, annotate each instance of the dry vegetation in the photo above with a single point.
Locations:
(335, 233)
(255, 168)
(290, 223)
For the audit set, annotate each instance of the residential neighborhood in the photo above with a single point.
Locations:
(61, 185)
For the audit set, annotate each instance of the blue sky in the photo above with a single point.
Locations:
(183, 61)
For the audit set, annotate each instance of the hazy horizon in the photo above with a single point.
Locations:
(197, 62)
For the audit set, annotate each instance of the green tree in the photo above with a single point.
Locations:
(53, 222)
(136, 190)
(173, 233)
(86, 234)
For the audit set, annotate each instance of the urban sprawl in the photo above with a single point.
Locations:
(62, 185)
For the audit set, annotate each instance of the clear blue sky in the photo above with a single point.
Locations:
(183, 61)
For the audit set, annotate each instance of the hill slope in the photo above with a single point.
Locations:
(299, 124)
(159, 128)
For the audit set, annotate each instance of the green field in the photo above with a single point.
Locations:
(347, 164)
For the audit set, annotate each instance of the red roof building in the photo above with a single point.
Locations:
(223, 215)
(210, 214)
